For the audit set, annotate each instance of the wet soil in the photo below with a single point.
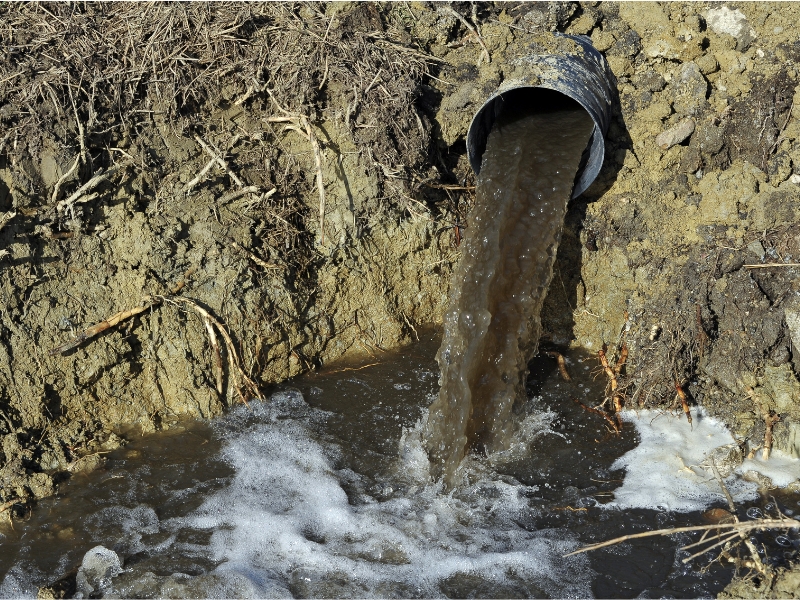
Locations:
(661, 247)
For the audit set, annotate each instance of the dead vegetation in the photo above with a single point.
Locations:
(87, 78)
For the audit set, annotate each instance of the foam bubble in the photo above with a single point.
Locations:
(782, 469)
(286, 520)
(669, 469)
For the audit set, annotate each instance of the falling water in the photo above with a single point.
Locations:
(492, 327)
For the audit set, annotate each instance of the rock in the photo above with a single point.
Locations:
(791, 445)
(649, 81)
(762, 480)
(791, 314)
(781, 388)
(726, 458)
(98, 567)
(757, 248)
(795, 179)
(675, 135)
(689, 89)
(723, 20)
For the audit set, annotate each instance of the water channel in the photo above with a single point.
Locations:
(323, 491)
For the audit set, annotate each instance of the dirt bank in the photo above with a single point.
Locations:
(151, 155)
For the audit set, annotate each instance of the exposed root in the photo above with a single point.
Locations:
(684, 404)
(596, 411)
(613, 373)
(302, 125)
(100, 327)
(256, 259)
(245, 387)
(82, 194)
(63, 178)
(770, 418)
(562, 365)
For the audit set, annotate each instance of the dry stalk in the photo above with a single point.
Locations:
(759, 524)
(759, 566)
(474, 29)
(216, 156)
(63, 178)
(770, 265)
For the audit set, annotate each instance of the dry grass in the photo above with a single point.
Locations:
(82, 77)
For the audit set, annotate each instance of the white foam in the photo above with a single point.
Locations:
(669, 469)
(285, 520)
(782, 469)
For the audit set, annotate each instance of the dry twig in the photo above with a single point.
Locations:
(760, 524)
(474, 29)
(216, 156)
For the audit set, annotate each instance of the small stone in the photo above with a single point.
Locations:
(795, 179)
(756, 248)
(723, 20)
(689, 90)
(675, 135)
(98, 567)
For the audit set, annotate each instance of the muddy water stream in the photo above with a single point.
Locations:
(320, 493)
(492, 325)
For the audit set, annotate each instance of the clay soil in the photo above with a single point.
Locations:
(155, 154)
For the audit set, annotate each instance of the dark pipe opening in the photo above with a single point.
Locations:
(518, 103)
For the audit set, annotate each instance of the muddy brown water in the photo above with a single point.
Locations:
(310, 495)
(492, 325)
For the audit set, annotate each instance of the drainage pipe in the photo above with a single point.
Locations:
(581, 73)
